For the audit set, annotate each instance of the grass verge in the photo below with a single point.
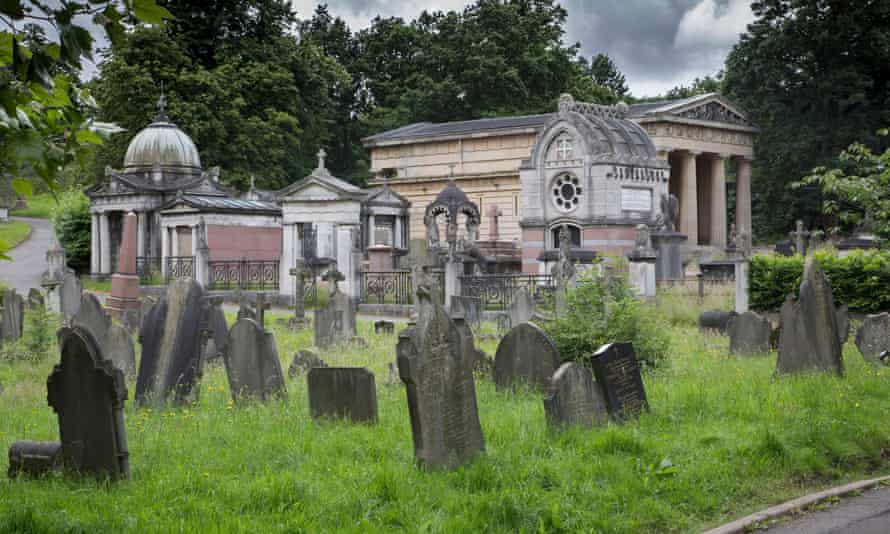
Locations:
(39, 206)
(12, 233)
(90, 284)
(724, 438)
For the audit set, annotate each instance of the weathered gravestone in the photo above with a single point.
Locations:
(618, 373)
(715, 321)
(468, 342)
(217, 331)
(252, 362)
(843, 323)
(873, 337)
(172, 344)
(386, 327)
(343, 392)
(527, 356)
(144, 309)
(810, 337)
(35, 299)
(575, 398)
(13, 315)
(88, 393)
(69, 295)
(303, 361)
(335, 323)
(440, 389)
(116, 343)
(749, 333)
(522, 307)
(470, 308)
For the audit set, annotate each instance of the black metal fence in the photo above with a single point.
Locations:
(259, 275)
(148, 269)
(180, 267)
(496, 290)
(387, 287)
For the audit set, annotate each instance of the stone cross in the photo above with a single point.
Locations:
(321, 156)
(333, 277)
(299, 272)
(493, 231)
(800, 235)
(261, 307)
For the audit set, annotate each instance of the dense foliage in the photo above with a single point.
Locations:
(71, 221)
(860, 280)
(600, 313)
(814, 77)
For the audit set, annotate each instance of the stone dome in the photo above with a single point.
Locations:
(164, 143)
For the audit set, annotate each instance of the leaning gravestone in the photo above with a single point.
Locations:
(303, 361)
(470, 308)
(69, 295)
(440, 389)
(522, 307)
(342, 392)
(116, 343)
(575, 398)
(172, 343)
(218, 331)
(335, 323)
(252, 363)
(810, 337)
(749, 333)
(527, 356)
(13, 315)
(618, 373)
(873, 337)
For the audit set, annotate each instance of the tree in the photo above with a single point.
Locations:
(699, 86)
(814, 77)
(606, 74)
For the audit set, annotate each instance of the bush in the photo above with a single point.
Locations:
(860, 280)
(72, 223)
(597, 315)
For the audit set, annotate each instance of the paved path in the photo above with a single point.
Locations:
(868, 513)
(29, 258)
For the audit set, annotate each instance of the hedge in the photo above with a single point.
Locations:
(860, 280)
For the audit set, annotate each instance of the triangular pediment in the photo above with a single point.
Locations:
(385, 195)
(313, 188)
(710, 107)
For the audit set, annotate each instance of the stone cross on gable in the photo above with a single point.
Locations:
(321, 156)
(564, 149)
(261, 307)
(493, 213)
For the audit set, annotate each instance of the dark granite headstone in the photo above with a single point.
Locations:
(749, 333)
(303, 361)
(172, 345)
(386, 327)
(873, 337)
(785, 248)
(715, 321)
(252, 362)
(440, 389)
(13, 315)
(343, 392)
(116, 342)
(574, 398)
(470, 308)
(618, 373)
(88, 393)
(335, 323)
(810, 337)
(526, 356)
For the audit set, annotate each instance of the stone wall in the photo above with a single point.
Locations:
(236, 242)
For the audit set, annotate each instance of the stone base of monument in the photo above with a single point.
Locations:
(124, 296)
(34, 458)
(669, 255)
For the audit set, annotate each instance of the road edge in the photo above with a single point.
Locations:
(786, 508)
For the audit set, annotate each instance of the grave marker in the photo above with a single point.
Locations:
(527, 356)
(873, 337)
(13, 315)
(574, 398)
(618, 373)
(303, 361)
(342, 392)
(252, 363)
(115, 340)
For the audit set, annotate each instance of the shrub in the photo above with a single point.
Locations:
(71, 221)
(597, 315)
(860, 280)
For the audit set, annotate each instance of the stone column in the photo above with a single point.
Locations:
(371, 224)
(741, 286)
(140, 234)
(743, 195)
(194, 240)
(397, 231)
(95, 251)
(718, 201)
(287, 260)
(689, 197)
(346, 260)
(165, 237)
(174, 241)
(104, 244)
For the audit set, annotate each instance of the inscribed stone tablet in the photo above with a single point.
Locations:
(618, 373)
(749, 333)
(526, 356)
(342, 392)
(252, 363)
(574, 398)
(873, 337)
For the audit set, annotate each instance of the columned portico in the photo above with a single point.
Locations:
(743, 194)
(689, 195)
(718, 200)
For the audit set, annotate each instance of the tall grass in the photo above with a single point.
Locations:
(724, 437)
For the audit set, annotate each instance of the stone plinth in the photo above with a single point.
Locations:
(741, 285)
(124, 296)
(669, 257)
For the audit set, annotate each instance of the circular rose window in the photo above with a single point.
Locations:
(566, 192)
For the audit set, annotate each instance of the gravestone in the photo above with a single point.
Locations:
(145, 308)
(116, 342)
(575, 398)
(13, 315)
(245, 312)
(300, 274)
(810, 337)
(522, 307)
(88, 393)
(618, 374)
(172, 344)
(34, 458)
(252, 363)
(342, 392)
(785, 248)
(335, 323)
(470, 308)
(715, 321)
(873, 337)
(843, 323)
(749, 333)
(440, 388)
(527, 356)
(303, 361)
(35, 299)
(70, 292)
(503, 321)
(218, 332)
(386, 327)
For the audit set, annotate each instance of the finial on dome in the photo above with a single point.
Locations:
(162, 107)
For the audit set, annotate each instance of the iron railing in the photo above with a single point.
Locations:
(180, 267)
(148, 269)
(257, 275)
(387, 287)
(496, 290)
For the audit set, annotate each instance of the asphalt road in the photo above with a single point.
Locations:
(868, 513)
(29, 258)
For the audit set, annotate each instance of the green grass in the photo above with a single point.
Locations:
(40, 206)
(90, 284)
(724, 438)
(12, 233)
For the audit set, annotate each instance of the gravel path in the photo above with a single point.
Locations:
(29, 258)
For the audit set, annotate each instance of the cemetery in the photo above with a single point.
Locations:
(249, 283)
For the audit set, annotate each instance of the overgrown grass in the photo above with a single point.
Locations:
(40, 206)
(680, 305)
(12, 233)
(723, 438)
(91, 284)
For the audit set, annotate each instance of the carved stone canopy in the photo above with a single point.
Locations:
(452, 202)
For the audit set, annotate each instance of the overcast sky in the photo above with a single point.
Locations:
(658, 44)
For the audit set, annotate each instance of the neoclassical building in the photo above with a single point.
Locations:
(599, 169)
